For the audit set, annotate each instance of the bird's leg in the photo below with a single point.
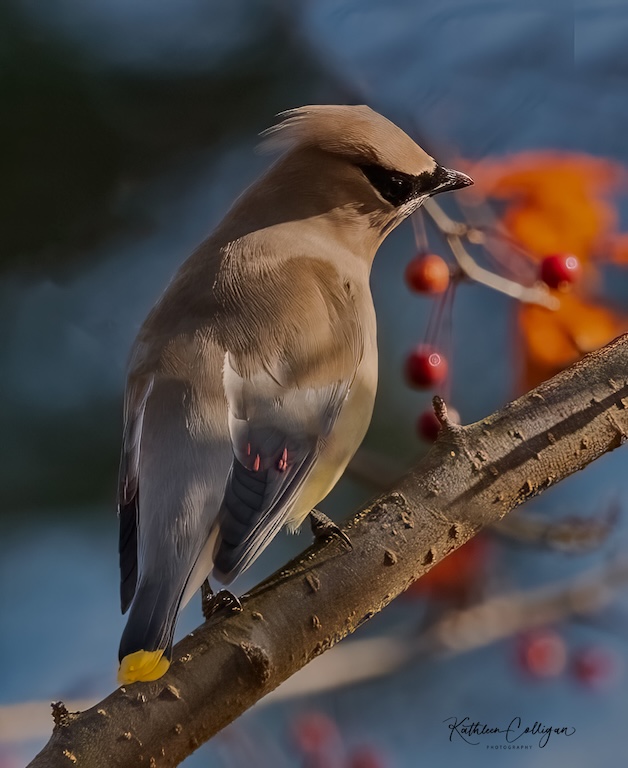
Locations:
(323, 528)
(217, 601)
(207, 597)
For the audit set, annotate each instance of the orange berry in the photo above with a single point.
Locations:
(427, 273)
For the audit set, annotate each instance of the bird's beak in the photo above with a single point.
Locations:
(448, 180)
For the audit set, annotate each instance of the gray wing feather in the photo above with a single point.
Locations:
(128, 488)
(276, 436)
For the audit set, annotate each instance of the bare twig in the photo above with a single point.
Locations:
(571, 535)
(505, 615)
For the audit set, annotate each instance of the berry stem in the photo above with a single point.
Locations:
(454, 232)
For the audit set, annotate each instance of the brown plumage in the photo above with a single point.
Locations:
(355, 133)
(252, 381)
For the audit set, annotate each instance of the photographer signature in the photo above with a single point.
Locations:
(469, 730)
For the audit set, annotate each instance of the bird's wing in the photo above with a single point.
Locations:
(279, 418)
(136, 397)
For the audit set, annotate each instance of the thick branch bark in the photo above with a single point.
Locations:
(472, 477)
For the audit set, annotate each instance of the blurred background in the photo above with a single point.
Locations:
(127, 131)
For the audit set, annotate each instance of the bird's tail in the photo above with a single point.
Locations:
(146, 644)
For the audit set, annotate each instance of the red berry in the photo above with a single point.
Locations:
(425, 368)
(597, 667)
(428, 426)
(542, 653)
(366, 757)
(315, 733)
(560, 270)
(427, 273)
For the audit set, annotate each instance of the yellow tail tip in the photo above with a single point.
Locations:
(142, 666)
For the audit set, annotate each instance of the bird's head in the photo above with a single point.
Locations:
(358, 160)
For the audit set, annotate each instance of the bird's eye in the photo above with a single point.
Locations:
(395, 187)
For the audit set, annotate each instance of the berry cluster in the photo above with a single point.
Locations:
(426, 366)
(543, 654)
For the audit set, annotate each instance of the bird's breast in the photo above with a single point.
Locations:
(349, 430)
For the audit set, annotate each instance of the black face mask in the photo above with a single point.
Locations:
(398, 188)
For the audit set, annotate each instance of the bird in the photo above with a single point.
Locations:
(252, 380)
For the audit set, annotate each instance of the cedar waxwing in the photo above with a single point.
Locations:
(251, 382)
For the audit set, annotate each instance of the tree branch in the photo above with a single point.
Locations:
(472, 477)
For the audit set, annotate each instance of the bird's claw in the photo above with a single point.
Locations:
(212, 602)
(207, 597)
(324, 528)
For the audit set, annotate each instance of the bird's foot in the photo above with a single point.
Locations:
(218, 601)
(323, 529)
(207, 597)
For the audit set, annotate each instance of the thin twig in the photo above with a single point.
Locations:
(570, 535)
(455, 231)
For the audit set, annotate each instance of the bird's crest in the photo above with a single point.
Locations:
(356, 132)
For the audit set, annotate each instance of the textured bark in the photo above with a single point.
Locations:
(472, 477)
